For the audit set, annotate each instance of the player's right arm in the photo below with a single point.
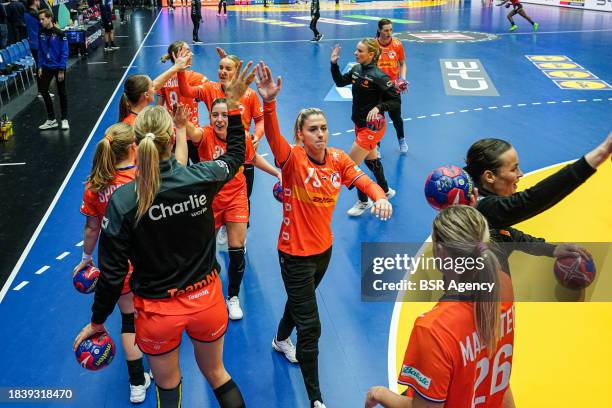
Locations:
(340, 79)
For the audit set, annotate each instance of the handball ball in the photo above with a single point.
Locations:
(86, 279)
(574, 273)
(277, 192)
(96, 352)
(448, 185)
(377, 124)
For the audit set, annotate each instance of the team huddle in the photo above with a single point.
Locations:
(158, 175)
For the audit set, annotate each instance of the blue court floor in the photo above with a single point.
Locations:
(546, 123)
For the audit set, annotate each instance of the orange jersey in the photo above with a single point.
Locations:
(390, 55)
(310, 190)
(94, 204)
(172, 94)
(250, 106)
(130, 119)
(211, 147)
(446, 363)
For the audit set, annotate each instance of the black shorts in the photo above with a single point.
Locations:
(517, 6)
(108, 26)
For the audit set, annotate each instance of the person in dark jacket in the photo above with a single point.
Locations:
(52, 60)
(176, 283)
(3, 27)
(373, 94)
(33, 26)
(494, 167)
(17, 28)
(196, 18)
(314, 17)
(106, 13)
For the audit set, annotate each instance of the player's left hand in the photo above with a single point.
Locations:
(571, 250)
(371, 400)
(180, 115)
(382, 209)
(87, 332)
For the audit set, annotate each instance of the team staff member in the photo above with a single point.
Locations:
(106, 13)
(175, 282)
(312, 175)
(436, 368)
(170, 94)
(114, 166)
(315, 14)
(392, 62)
(196, 18)
(373, 94)
(52, 59)
(517, 8)
(249, 105)
(493, 164)
(231, 204)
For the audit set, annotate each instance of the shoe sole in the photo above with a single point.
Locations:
(278, 349)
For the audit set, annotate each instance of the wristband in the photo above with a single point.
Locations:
(86, 257)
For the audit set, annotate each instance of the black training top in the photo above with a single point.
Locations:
(314, 7)
(371, 87)
(503, 212)
(172, 247)
(196, 8)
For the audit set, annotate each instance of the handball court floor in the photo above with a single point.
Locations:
(42, 313)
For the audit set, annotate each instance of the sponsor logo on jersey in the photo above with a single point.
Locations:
(223, 165)
(194, 203)
(335, 180)
(420, 378)
(104, 223)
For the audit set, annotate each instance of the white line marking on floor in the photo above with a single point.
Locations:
(449, 113)
(435, 114)
(42, 222)
(521, 104)
(421, 117)
(581, 100)
(42, 270)
(610, 99)
(507, 106)
(566, 101)
(97, 63)
(21, 285)
(551, 102)
(408, 119)
(12, 164)
(477, 109)
(464, 110)
(62, 255)
(536, 103)
(80, 244)
(350, 130)
(336, 134)
(492, 107)
(264, 155)
(597, 100)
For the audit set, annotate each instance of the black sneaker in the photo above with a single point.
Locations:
(314, 40)
(319, 37)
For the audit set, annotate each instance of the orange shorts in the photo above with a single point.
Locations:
(368, 139)
(204, 317)
(235, 209)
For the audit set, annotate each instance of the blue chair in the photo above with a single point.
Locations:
(25, 59)
(5, 78)
(15, 59)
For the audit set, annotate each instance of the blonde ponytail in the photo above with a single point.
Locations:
(153, 128)
(112, 149)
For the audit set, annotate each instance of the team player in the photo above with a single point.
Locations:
(170, 95)
(175, 281)
(460, 352)
(113, 166)
(373, 94)
(392, 62)
(312, 175)
(231, 204)
(517, 8)
(138, 93)
(250, 107)
(493, 164)
(222, 3)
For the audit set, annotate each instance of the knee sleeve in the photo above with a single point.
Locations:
(127, 323)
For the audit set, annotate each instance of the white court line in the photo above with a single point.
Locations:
(449, 113)
(477, 109)
(350, 130)
(21, 285)
(521, 104)
(264, 155)
(581, 100)
(336, 134)
(80, 244)
(97, 62)
(421, 117)
(551, 102)
(42, 223)
(42, 270)
(492, 107)
(464, 110)
(566, 101)
(507, 106)
(435, 114)
(597, 100)
(536, 103)
(62, 255)
(12, 164)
